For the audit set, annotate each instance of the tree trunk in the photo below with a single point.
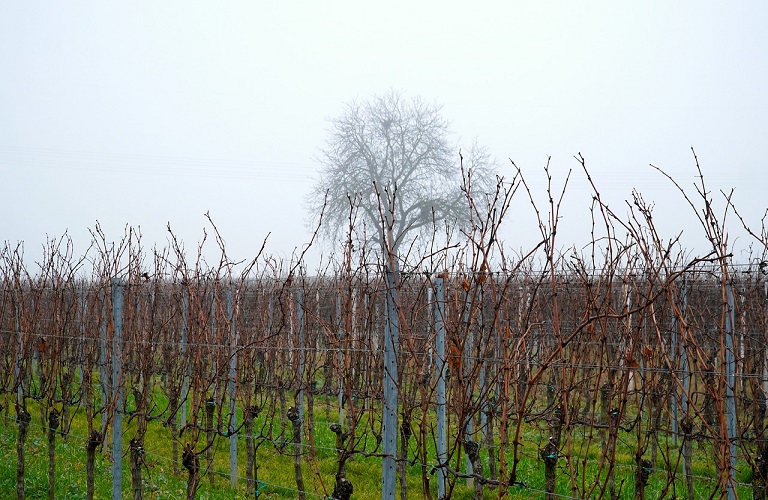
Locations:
(642, 473)
(492, 469)
(760, 476)
(327, 398)
(405, 436)
(549, 455)
(137, 453)
(760, 469)
(250, 413)
(283, 415)
(53, 424)
(295, 418)
(66, 387)
(656, 403)
(760, 407)
(23, 418)
(174, 427)
(210, 408)
(311, 421)
(191, 462)
(343, 488)
(551, 452)
(472, 449)
(686, 425)
(94, 440)
(609, 417)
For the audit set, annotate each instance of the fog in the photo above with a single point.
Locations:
(150, 115)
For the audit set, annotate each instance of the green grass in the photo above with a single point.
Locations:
(276, 467)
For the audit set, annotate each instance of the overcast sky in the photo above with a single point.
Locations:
(149, 113)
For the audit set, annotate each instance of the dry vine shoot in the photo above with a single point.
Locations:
(632, 370)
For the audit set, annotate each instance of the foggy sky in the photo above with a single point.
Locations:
(149, 113)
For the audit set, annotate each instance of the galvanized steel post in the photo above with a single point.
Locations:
(104, 382)
(469, 427)
(184, 360)
(730, 402)
(441, 367)
(117, 387)
(232, 387)
(389, 423)
(302, 352)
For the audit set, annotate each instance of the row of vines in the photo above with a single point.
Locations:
(550, 358)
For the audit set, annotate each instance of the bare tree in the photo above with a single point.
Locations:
(391, 156)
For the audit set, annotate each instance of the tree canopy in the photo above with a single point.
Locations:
(390, 170)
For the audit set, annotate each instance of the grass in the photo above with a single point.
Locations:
(276, 467)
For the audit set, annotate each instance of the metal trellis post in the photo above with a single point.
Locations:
(730, 379)
(184, 360)
(391, 333)
(232, 386)
(117, 385)
(106, 391)
(469, 427)
(441, 367)
(302, 353)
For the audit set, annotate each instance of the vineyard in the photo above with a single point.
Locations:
(634, 371)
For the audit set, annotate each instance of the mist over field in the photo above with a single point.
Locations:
(145, 115)
(337, 250)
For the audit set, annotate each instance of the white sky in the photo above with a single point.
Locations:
(145, 113)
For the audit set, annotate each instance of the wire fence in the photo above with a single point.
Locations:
(629, 356)
(629, 369)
